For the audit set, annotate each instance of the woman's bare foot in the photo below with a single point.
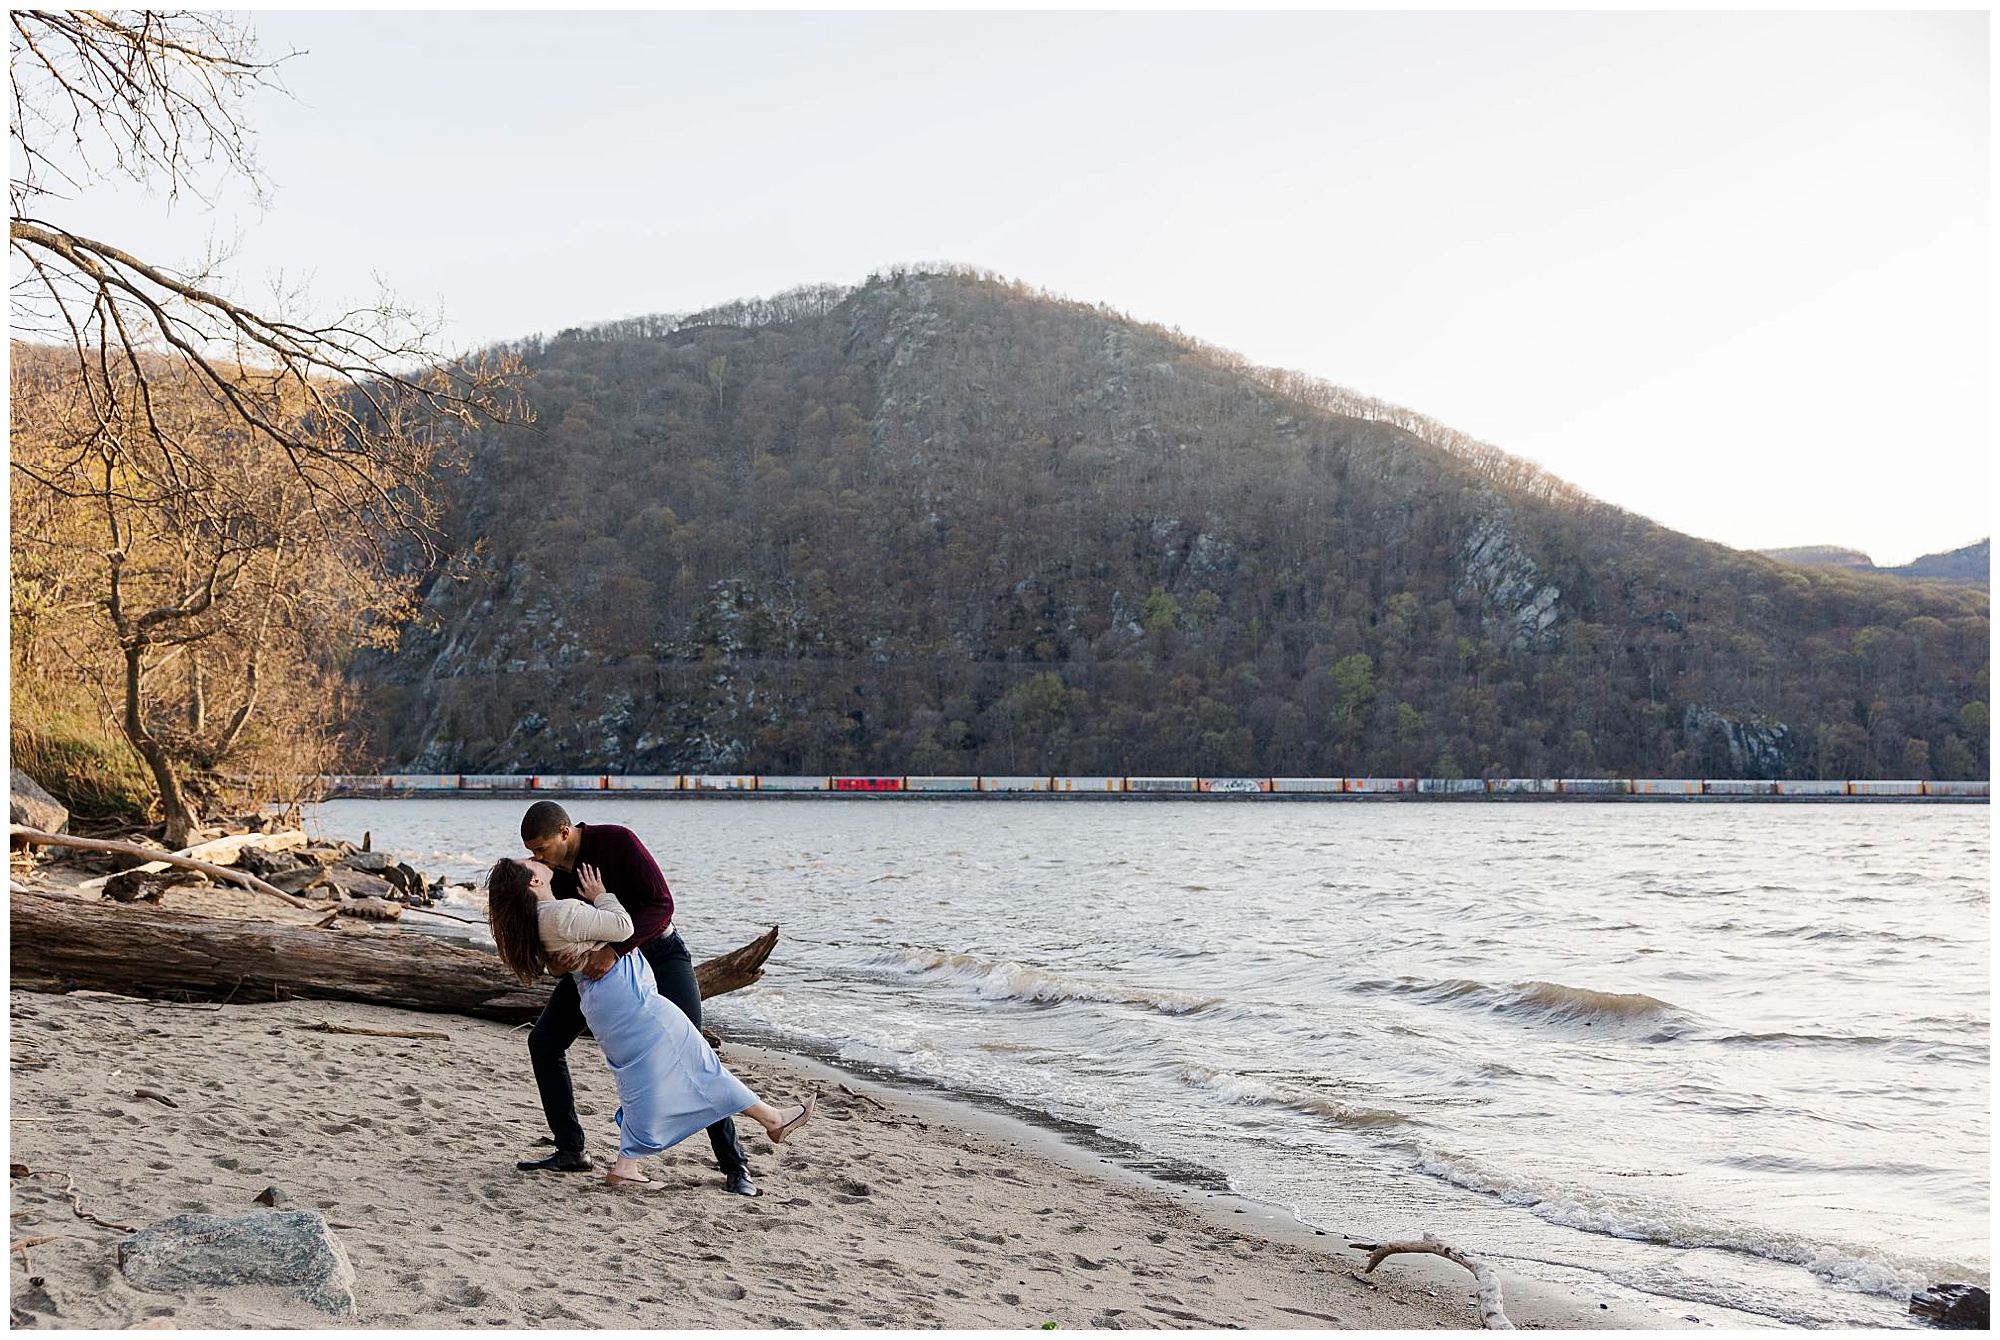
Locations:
(625, 1170)
(617, 1183)
(785, 1130)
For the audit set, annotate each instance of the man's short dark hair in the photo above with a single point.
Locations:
(544, 818)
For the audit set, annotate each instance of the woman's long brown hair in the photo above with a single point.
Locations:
(510, 912)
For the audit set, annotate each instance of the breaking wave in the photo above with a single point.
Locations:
(1015, 981)
(469, 896)
(1250, 1091)
(1544, 1002)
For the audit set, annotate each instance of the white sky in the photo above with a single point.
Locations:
(1730, 271)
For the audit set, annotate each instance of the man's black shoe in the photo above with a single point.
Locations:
(741, 1185)
(563, 1160)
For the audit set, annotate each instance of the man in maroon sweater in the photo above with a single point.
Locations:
(630, 872)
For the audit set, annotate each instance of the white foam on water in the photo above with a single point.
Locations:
(1008, 980)
(469, 896)
(1251, 1091)
(1863, 1269)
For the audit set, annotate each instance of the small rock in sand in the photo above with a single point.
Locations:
(293, 1250)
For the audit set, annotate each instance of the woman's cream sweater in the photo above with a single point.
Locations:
(573, 926)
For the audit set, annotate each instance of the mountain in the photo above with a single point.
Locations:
(1973, 563)
(944, 524)
(1821, 556)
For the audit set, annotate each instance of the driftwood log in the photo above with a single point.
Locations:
(145, 951)
(1491, 1314)
(35, 837)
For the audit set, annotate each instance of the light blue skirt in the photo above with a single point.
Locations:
(670, 1081)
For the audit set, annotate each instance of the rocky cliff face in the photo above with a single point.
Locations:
(1499, 574)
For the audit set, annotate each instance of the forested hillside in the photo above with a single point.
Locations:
(942, 524)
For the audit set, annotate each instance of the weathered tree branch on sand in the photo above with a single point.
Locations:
(242, 877)
(1491, 1316)
(324, 1027)
(148, 951)
(213, 852)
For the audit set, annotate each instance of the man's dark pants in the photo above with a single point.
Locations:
(562, 1024)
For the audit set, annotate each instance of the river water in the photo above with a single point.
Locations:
(1724, 1056)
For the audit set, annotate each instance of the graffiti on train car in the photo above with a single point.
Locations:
(571, 784)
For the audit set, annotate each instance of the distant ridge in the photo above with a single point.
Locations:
(1972, 564)
(1821, 556)
(942, 524)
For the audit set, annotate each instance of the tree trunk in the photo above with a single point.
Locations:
(181, 819)
(144, 951)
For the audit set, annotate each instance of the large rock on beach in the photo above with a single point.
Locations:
(264, 864)
(291, 1250)
(34, 807)
(301, 880)
(409, 881)
(130, 886)
(355, 883)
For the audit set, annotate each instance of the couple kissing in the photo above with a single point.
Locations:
(589, 903)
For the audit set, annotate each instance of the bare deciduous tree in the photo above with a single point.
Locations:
(230, 455)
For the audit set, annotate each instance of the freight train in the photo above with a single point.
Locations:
(569, 784)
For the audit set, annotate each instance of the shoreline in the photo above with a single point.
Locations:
(1530, 1303)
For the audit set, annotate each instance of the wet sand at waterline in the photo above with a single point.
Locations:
(891, 1211)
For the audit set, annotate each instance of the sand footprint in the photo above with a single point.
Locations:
(464, 1293)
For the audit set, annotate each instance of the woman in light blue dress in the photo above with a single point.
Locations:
(670, 1081)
